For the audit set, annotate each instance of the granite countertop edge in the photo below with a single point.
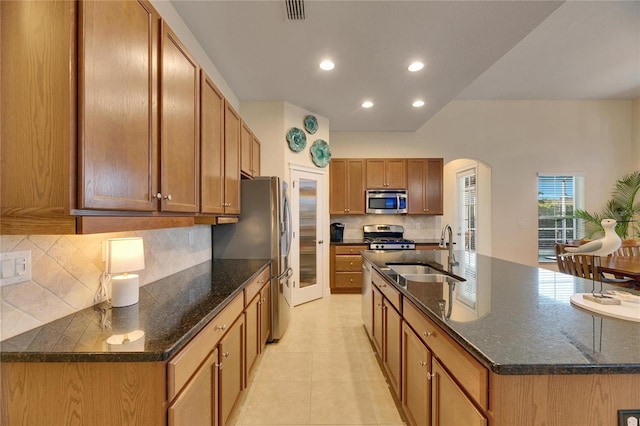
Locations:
(160, 355)
(510, 369)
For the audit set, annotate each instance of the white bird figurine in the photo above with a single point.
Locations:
(602, 247)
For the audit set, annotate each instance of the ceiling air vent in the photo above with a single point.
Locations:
(295, 10)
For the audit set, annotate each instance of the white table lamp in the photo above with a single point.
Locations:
(124, 255)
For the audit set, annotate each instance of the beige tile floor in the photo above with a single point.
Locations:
(322, 372)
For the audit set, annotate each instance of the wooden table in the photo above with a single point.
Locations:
(626, 266)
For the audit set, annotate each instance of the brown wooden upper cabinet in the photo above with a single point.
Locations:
(346, 183)
(232, 131)
(112, 125)
(118, 140)
(425, 185)
(250, 152)
(180, 121)
(117, 89)
(387, 174)
(212, 108)
(38, 106)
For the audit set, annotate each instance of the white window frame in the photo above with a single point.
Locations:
(574, 200)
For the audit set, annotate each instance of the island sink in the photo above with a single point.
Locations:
(422, 273)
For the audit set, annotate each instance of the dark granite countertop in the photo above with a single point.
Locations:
(518, 319)
(170, 312)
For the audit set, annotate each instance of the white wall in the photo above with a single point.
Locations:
(177, 25)
(635, 138)
(270, 122)
(517, 139)
(483, 194)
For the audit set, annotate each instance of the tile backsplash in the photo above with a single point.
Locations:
(66, 270)
(416, 227)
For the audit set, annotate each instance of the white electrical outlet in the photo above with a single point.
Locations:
(16, 267)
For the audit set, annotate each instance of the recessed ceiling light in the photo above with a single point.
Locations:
(327, 65)
(418, 103)
(416, 66)
(367, 104)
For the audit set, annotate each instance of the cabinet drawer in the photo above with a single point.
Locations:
(255, 286)
(468, 372)
(393, 295)
(349, 263)
(348, 280)
(342, 249)
(182, 366)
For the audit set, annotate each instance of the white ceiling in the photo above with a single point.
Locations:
(472, 50)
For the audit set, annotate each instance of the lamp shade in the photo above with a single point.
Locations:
(125, 255)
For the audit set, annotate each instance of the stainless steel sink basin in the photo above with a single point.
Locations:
(412, 269)
(429, 278)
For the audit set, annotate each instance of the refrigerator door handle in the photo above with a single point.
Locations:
(287, 225)
(282, 276)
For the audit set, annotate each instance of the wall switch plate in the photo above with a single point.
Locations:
(629, 417)
(15, 267)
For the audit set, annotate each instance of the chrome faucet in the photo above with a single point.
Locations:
(447, 243)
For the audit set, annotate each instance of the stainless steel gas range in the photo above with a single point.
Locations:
(386, 237)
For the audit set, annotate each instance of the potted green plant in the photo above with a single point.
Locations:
(622, 207)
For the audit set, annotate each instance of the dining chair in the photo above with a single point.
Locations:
(581, 265)
(629, 248)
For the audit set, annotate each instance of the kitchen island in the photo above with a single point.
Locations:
(137, 364)
(527, 355)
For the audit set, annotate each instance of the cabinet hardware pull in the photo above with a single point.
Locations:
(264, 299)
(168, 197)
(218, 365)
(221, 327)
(427, 334)
(321, 241)
(422, 363)
(430, 376)
(226, 354)
(159, 196)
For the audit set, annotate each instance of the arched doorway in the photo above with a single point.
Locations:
(467, 189)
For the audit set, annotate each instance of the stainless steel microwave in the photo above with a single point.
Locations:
(386, 201)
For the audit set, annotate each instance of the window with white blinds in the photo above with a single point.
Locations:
(558, 197)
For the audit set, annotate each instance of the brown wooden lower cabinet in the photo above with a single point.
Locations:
(231, 370)
(449, 404)
(197, 404)
(89, 393)
(443, 384)
(199, 385)
(416, 370)
(345, 268)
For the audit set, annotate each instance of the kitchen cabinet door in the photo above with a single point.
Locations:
(255, 157)
(211, 147)
(346, 184)
(38, 102)
(392, 337)
(386, 174)
(424, 176)
(252, 319)
(180, 136)
(232, 130)
(378, 322)
(117, 111)
(265, 315)
(231, 381)
(197, 403)
(416, 386)
(246, 145)
(450, 406)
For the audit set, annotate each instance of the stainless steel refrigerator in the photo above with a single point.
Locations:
(263, 231)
